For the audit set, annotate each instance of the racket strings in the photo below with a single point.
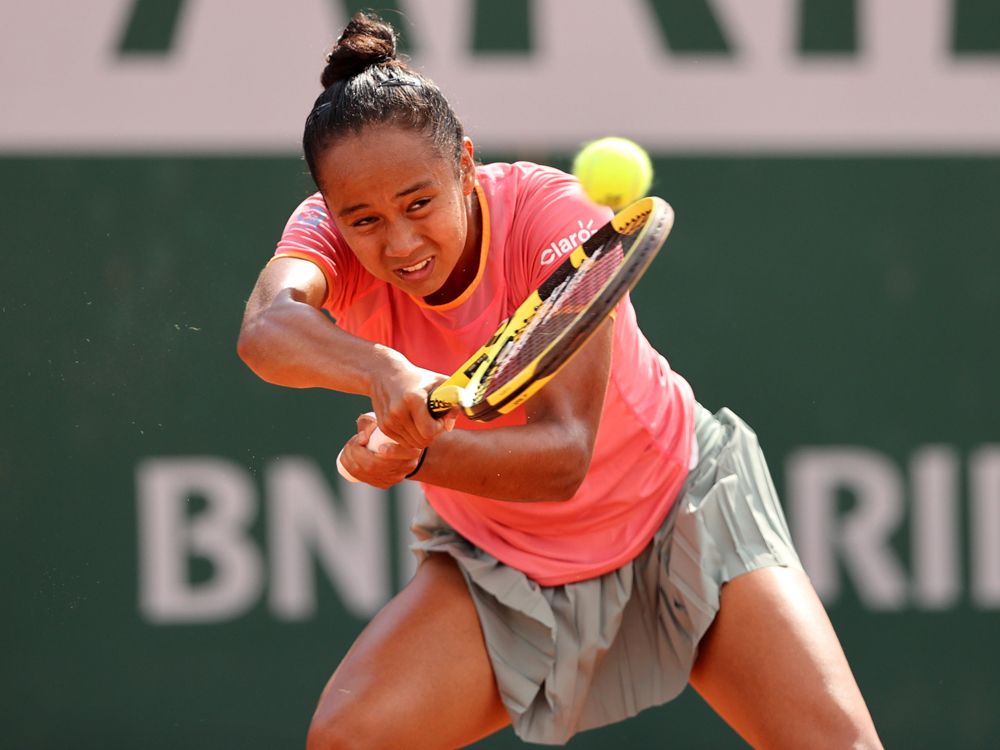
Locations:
(555, 315)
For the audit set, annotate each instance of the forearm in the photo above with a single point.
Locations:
(293, 344)
(544, 461)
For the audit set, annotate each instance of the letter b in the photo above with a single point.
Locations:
(168, 538)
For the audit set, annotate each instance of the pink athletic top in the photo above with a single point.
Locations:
(532, 216)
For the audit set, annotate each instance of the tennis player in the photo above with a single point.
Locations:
(582, 558)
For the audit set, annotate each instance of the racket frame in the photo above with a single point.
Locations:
(652, 218)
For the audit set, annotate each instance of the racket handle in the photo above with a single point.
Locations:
(442, 400)
(377, 439)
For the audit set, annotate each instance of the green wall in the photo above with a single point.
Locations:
(830, 301)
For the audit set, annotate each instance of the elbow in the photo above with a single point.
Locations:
(246, 347)
(251, 349)
(567, 487)
(573, 468)
(559, 469)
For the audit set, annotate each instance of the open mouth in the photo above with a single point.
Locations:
(416, 266)
(417, 271)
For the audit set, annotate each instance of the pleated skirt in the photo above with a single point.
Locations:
(582, 655)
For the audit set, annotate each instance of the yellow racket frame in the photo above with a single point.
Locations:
(459, 390)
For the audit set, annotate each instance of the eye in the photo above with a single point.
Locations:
(419, 203)
(364, 221)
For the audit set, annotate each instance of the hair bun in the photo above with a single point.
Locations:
(366, 41)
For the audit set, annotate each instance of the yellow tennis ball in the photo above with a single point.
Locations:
(613, 171)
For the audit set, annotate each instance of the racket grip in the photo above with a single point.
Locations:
(375, 441)
(441, 401)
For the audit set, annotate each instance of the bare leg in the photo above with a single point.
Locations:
(418, 676)
(772, 667)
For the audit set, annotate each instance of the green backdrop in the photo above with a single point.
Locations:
(830, 301)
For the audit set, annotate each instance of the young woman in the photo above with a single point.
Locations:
(586, 556)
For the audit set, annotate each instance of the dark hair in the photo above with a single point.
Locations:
(365, 83)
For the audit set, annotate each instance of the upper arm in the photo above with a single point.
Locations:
(554, 213)
(302, 279)
(283, 304)
(572, 402)
(311, 260)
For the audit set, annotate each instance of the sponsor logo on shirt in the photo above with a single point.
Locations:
(556, 250)
(312, 217)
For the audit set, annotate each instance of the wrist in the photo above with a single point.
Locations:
(420, 463)
(385, 368)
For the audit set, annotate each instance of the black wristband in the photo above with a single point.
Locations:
(420, 462)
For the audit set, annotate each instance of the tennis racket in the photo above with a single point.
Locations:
(558, 318)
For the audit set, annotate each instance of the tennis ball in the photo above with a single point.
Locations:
(613, 171)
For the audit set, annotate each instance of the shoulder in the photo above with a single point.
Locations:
(311, 235)
(311, 217)
(532, 201)
(523, 181)
(537, 215)
(310, 228)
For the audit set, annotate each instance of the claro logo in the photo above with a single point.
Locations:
(569, 243)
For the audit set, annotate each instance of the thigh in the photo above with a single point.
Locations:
(418, 675)
(772, 667)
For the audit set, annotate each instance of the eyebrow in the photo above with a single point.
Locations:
(401, 194)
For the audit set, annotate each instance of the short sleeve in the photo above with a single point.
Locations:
(311, 235)
(553, 216)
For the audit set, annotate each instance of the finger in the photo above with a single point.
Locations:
(398, 456)
(366, 425)
(377, 440)
(364, 420)
(397, 436)
(429, 429)
(385, 467)
(412, 430)
(342, 468)
(346, 463)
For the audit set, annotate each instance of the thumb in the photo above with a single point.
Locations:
(366, 424)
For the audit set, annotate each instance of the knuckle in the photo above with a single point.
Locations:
(414, 400)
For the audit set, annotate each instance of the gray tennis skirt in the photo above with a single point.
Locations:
(581, 655)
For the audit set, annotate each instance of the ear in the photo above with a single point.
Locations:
(467, 166)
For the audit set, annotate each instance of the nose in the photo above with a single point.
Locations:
(402, 239)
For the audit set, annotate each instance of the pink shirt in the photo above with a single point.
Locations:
(532, 216)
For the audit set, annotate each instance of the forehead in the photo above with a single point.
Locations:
(380, 155)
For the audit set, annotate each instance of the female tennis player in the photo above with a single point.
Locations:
(582, 558)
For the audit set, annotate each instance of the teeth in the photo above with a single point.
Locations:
(416, 266)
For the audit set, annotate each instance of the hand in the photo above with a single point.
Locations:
(388, 465)
(399, 397)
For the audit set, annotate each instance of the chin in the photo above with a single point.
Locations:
(417, 289)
